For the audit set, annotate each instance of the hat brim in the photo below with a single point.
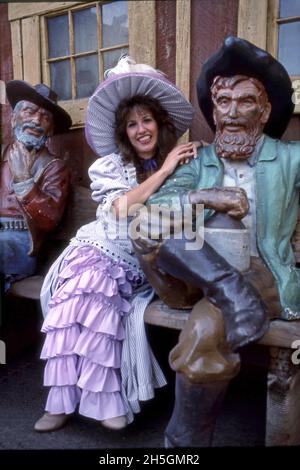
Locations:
(240, 57)
(18, 90)
(102, 106)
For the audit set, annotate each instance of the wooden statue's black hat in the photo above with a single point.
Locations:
(41, 95)
(240, 57)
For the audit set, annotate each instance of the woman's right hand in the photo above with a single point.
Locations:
(180, 154)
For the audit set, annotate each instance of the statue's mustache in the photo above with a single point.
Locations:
(30, 141)
(232, 122)
(31, 125)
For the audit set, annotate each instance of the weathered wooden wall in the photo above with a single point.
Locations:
(6, 69)
(211, 22)
(166, 37)
(293, 130)
(71, 146)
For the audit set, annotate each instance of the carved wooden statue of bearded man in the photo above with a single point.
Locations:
(246, 173)
(34, 183)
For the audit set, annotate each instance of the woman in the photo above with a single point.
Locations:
(96, 348)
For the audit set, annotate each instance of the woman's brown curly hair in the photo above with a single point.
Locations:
(166, 131)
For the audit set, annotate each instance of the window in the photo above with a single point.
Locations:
(81, 44)
(274, 25)
(288, 22)
(69, 45)
(287, 36)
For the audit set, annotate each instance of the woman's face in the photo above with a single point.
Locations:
(142, 132)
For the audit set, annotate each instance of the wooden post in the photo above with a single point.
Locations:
(252, 21)
(183, 50)
(31, 50)
(17, 52)
(283, 404)
(142, 24)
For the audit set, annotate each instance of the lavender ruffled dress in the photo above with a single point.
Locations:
(93, 298)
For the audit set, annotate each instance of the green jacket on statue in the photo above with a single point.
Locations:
(277, 173)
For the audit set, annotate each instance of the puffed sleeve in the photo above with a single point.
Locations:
(108, 180)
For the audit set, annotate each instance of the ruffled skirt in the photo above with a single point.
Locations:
(84, 334)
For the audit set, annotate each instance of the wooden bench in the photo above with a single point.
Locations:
(283, 380)
(283, 376)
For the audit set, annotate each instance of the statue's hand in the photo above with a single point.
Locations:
(235, 202)
(20, 162)
(231, 200)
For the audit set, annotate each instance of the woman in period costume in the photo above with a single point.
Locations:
(95, 294)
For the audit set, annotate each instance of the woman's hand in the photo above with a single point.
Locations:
(180, 154)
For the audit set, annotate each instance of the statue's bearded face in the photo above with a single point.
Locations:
(32, 124)
(241, 110)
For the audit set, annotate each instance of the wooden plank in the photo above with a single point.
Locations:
(76, 109)
(252, 21)
(142, 31)
(158, 313)
(166, 37)
(2, 93)
(100, 56)
(183, 45)
(272, 47)
(17, 53)
(72, 50)
(183, 50)
(29, 288)
(24, 9)
(44, 50)
(272, 27)
(31, 50)
(281, 333)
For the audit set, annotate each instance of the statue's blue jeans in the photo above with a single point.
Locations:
(15, 263)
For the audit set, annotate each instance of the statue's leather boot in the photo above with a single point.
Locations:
(225, 287)
(195, 412)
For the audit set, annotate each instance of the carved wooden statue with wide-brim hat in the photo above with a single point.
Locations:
(246, 96)
(34, 183)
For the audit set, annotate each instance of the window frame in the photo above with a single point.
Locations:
(75, 106)
(257, 22)
(273, 33)
(28, 24)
